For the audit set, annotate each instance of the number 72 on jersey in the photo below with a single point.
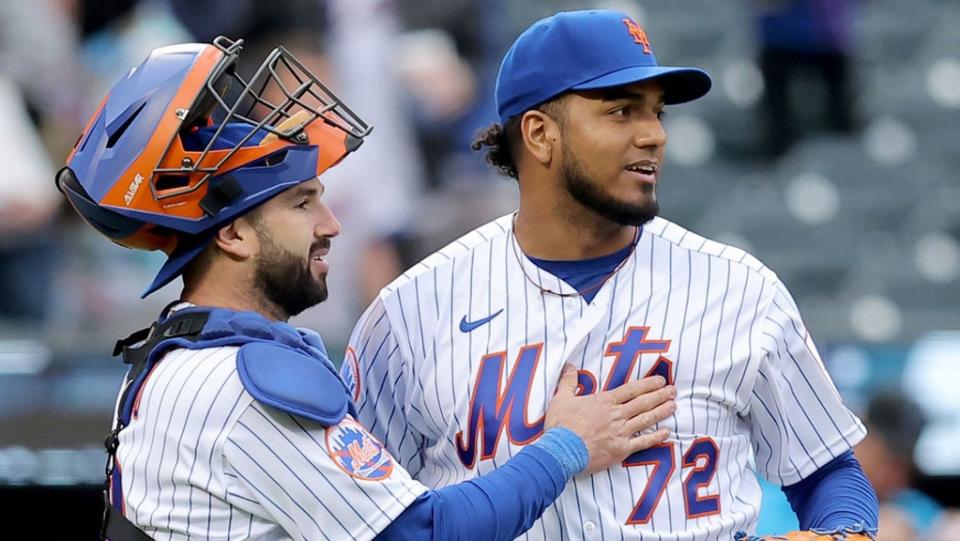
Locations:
(495, 410)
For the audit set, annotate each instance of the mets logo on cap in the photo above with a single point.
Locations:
(638, 34)
(357, 452)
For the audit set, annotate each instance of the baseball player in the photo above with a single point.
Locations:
(453, 365)
(232, 424)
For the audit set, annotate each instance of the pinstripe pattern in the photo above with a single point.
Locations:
(204, 460)
(747, 373)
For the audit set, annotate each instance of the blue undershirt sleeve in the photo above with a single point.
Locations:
(836, 495)
(501, 504)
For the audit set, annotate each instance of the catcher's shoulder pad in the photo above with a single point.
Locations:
(292, 381)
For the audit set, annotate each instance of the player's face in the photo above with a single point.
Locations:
(613, 148)
(294, 231)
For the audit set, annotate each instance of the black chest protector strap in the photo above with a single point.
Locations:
(117, 527)
(135, 350)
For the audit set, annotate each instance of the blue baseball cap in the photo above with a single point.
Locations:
(582, 50)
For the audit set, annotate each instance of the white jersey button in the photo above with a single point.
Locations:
(570, 302)
(589, 529)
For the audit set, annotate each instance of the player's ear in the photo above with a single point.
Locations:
(541, 134)
(238, 239)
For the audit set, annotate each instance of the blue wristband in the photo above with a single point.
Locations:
(501, 504)
(567, 447)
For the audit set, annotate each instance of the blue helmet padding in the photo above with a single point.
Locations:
(233, 133)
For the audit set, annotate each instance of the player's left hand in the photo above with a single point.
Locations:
(610, 422)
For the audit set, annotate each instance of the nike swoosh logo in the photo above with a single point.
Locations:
(467, 326)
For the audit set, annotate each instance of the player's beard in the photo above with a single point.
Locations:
(591, 194)
(285, 279)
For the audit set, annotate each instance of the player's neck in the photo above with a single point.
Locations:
(547, 234)
(230, 294)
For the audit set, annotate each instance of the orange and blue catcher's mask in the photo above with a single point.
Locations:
(184, 144)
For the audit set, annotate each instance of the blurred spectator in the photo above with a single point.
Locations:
(448, 58)
(376, 194)
(93, 16)
(28, 204)
(445, 66)
(122, 39)
(798, 39)
(250, 20)
(40, 107)
(894, 425)
(38, 54)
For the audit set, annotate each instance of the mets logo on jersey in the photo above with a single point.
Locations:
(351, 374)
(358, 453)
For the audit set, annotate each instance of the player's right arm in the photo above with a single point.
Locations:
(584, 434)
(336, 482)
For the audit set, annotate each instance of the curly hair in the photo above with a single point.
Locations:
(502, 141)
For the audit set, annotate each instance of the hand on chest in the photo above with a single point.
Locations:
(508, 390)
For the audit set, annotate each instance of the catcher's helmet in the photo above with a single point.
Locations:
(172, 153)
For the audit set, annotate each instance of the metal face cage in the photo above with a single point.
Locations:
(279, 89)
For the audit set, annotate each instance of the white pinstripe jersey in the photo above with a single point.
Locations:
(453, 364)
(202, 459)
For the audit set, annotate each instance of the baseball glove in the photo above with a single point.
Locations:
(856, 533)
